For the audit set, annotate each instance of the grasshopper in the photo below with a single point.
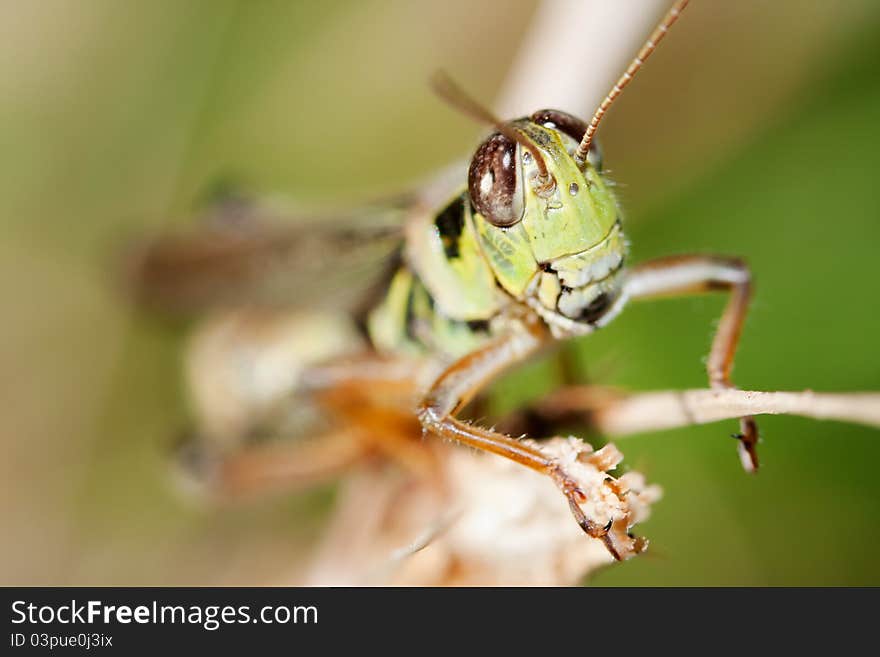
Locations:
(529, 251)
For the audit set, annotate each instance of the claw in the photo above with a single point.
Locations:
(747, 447)
(593, 530)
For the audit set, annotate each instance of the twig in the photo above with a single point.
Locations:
(669, 409)
(573, 52)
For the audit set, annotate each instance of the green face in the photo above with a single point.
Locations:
(548, 227)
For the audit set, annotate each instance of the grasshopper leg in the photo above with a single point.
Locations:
(462, 380)
(693, 274)
(369, 402)
(260, 469)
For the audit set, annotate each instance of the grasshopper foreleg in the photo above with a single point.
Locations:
(693, 274)
(464, 379)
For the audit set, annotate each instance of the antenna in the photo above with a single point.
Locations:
(649, 46)
(449, 91)
(445, 87)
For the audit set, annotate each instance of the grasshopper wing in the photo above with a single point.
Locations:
(247, 253)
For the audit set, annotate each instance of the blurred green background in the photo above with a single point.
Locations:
(754, 131)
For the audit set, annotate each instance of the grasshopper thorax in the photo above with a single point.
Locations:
(548, 225)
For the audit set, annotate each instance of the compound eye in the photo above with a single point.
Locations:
(571, 126)
(495, 182)
(561, 122)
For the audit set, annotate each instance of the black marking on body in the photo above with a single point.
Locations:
(478, 325)
(450, 226)
(596, 308)
(418, 327)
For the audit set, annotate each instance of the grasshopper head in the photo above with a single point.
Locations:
(549, 225)
(546, 220)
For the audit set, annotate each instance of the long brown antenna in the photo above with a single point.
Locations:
(449, 91)
(445, 87)
(656, 37)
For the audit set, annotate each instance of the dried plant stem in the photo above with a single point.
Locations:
(651, 411)
(573, 52)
